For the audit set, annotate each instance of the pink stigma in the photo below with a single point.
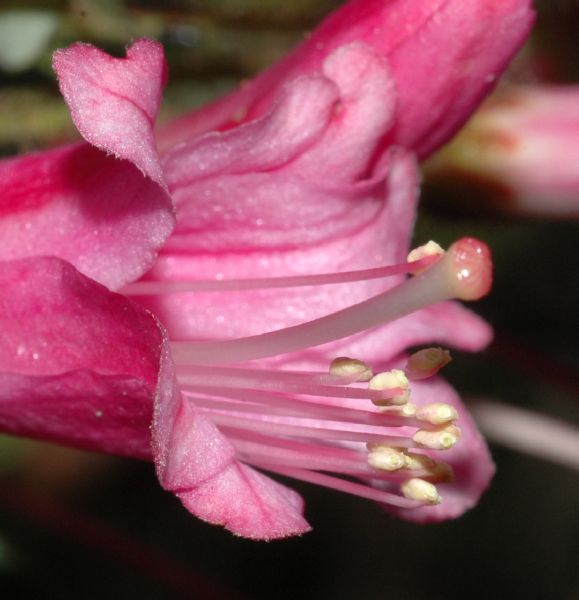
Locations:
(473, 268)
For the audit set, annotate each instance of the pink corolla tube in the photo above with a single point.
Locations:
(288, 251)
(445, 56)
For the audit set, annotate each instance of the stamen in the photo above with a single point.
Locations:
(407, 410)
(386, 458)
(464, 272)
(391, 380)
(150, 288)
(228, 422)
(441, 473)
(349, 368)
(429, 250)
(248, 374)
(439, 439)
(415, 462)
(421, 490)
(228, 377)
(437, 413)
(306, 424)
(426, 363)
(435, 471)
(308, 438)
(258, 402)
(350, 487)
(254, 447)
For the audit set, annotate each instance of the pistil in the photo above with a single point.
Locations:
(464, 272)
(348, 429)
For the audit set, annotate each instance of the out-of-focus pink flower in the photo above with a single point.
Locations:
(519, 144)
(309, 183)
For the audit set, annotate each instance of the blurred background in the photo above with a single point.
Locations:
(78, 525)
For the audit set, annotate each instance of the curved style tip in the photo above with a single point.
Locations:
(472, 267)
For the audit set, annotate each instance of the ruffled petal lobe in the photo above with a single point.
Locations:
(445, 56)
(114, 101)
(108, 217)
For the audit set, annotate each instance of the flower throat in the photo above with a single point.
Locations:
(348, 429)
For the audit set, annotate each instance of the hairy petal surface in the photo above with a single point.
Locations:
(79, 203)
(445, 56)
(114, 101)
(255, 506)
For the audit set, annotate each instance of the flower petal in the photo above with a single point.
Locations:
(445, 56)
(295, 123)
(114, 101)
(95, 211)
(248, 503)
(75, 202)
(382, 239)
(80, 365)
(196, 462)
(291, 215)
(297, 173)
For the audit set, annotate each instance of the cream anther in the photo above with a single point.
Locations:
(439, 439)
(429, 249)
(413, 461)
(386, 458)
(408, 410)
(437, 413)
(403, 410)
(391, 380)
(344, 366)
(420, 490)
(426, 363)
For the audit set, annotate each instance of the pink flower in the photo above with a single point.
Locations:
(519, 144)
(319, 178)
